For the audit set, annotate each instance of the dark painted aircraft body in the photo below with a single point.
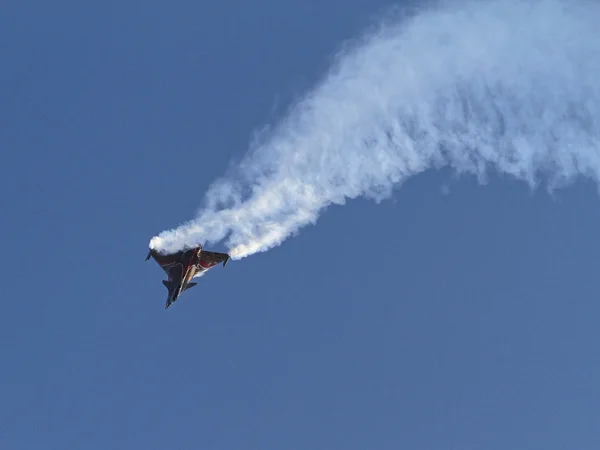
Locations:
(182, 266)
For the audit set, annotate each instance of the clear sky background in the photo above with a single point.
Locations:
(453, 316)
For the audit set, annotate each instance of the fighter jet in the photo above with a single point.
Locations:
(182, 266)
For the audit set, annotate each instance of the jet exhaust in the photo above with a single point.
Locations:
(506, 85)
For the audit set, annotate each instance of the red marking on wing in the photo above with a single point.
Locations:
(206, 264)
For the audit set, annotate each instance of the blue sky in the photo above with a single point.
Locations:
(430, 321)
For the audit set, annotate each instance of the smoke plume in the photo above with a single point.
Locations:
(509, 85)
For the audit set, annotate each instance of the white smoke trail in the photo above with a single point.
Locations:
(509, 85)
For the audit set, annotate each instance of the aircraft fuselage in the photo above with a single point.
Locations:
(181, 267)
